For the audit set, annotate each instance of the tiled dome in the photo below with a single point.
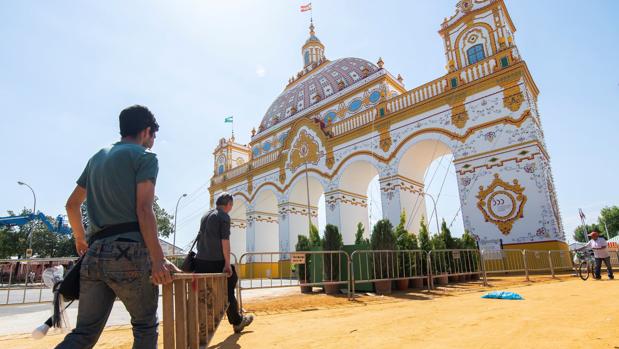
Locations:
(317, 86)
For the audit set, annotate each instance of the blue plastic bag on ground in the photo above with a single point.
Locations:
(503, 295)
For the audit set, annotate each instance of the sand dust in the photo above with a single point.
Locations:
(563, 313)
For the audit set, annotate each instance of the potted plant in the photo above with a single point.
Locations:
(332, 241)
(383, 238)
(303, 244)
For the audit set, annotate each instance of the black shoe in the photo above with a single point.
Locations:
(611, 277)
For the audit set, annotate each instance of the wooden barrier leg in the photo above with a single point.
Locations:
(192, 315)
(210, 306)
(202, 311)
(168, 316)
(180, 305)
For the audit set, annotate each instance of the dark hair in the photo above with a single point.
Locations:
(224, 199)
(135, 119)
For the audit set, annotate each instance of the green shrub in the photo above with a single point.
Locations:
(332, 241)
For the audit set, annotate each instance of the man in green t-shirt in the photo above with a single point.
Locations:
(121, 252)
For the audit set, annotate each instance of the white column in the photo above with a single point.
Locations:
(400, 193)
(293, 222)
(238, 236)
(345, 210)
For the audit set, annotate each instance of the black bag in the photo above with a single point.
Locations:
(69, 287)
(189, 263)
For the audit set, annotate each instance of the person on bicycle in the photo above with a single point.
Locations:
(600, 252)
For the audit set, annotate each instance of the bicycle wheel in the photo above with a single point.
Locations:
(583, 270)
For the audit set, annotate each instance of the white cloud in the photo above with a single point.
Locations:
(261, 71)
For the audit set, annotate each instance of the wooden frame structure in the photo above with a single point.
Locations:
(193, 307)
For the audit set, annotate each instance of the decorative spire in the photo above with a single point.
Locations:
(311, 28)
(380, 62)
(313, 50)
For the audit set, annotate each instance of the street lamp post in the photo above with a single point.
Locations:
(34, 211)
(176, 214)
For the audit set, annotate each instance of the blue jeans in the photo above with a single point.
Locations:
(115, 268)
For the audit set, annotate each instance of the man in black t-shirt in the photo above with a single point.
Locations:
(214, 255)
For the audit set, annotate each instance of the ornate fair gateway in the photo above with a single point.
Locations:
(339, 123)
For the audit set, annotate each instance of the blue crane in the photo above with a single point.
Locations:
(60, 227)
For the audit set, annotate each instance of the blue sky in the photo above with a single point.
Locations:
(67, 69)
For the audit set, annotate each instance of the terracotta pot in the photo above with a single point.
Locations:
(467, 277)
(417, 283)
(474, 277)
(382, 287)
(332, 288)
(402, 285)
(306, 289)
(441, 279)
(453, 279)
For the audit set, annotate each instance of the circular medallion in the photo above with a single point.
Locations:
(501, 204)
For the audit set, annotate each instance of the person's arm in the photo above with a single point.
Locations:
(224, 234)
(225, 245)
(74, 213)
(160, 267)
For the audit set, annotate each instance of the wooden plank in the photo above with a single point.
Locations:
(168, 316)
(209, 304)
(180, 296)
(204, 337)
(192, 314)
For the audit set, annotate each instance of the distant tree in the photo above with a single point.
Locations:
(581, 236)
(610, 216)
(164, 220)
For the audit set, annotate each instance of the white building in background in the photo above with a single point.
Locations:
(339, 123)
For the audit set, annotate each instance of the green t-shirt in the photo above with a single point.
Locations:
(110, 179)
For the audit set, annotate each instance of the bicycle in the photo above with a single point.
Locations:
(585, 265)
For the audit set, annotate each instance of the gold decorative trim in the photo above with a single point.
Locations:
(493, 202)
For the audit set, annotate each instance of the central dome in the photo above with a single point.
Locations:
(317, 86)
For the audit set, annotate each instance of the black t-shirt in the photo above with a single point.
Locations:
(214, 227)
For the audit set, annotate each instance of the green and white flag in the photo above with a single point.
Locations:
(229, 119)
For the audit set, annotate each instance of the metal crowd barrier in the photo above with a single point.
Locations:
(193, 307)
(21, 280)
(258, 270)
(456, 264)
(388, 265)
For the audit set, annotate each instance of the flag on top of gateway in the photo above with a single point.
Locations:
(306, 7)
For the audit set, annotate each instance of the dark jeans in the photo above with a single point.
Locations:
(598, 267)
(113, 269)
(202, 266)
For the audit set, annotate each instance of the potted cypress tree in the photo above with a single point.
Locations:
(403, 242)
(303, 244)
(383, 238)
(332, 241)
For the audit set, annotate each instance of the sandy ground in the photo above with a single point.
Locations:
(563, 313)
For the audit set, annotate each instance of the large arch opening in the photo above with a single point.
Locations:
(238, 226)
(351, 199)
(305, 191)
(263, 223)
(426, 167)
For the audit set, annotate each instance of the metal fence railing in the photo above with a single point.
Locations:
(259, 270)
(21, 280)
(388, 265)
(454, 264)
